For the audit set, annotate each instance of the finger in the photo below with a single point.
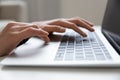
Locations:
(19, 28)
(30, 32)
(71, 25)
(32, 25)
(88, 22)
(45, 38)
(81, 23)
(53, 28)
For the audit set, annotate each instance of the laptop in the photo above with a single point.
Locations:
(99, 49)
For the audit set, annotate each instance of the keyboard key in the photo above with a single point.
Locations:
(79, 53)
(89, 58)
(109, 57)
(75, 47)
(78, 58)
(69, 56)
(58, 58)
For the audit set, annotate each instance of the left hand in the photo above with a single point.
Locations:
(15, 32)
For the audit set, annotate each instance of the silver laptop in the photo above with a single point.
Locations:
(99, 49)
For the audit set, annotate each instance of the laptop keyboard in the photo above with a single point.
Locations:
(77, 48)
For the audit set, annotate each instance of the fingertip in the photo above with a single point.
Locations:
(84, 35)
(46, 43)
(44, 32)
(92, 24)
(46, 39)
(92, 30)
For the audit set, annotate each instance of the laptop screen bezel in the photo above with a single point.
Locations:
(110, 22)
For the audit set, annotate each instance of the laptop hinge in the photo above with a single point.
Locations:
(112, 42)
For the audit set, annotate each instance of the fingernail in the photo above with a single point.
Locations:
(84, 35)
(46, 43)
(92, 30)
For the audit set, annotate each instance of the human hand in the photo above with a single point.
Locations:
(59, 25)
(15, 32)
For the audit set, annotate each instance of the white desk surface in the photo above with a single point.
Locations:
(45, 73)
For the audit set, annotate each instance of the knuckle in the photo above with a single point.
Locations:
(45, 27)
(77, 17)
(61, 20)
(72, 24)
(78, 21)
(33, 25)
(30, 29)
(55, 27)
(12, 23)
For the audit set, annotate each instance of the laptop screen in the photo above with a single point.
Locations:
(111, 23)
